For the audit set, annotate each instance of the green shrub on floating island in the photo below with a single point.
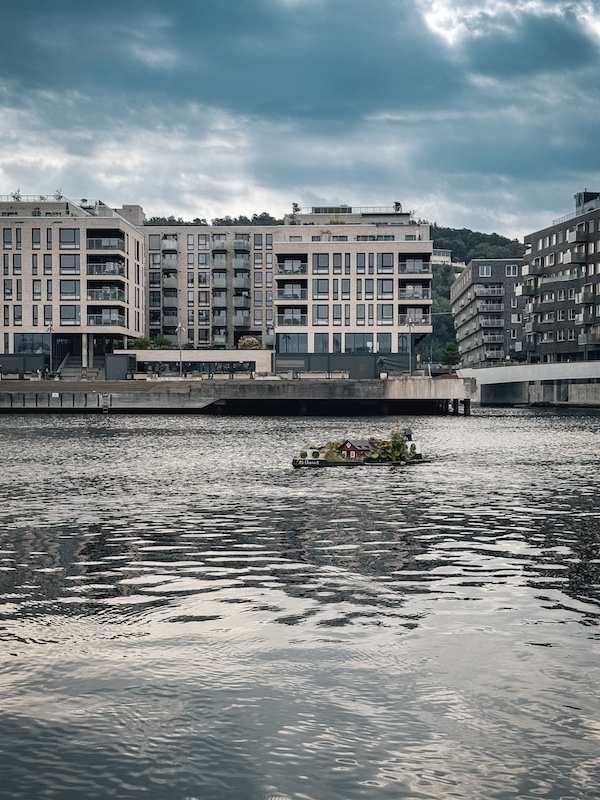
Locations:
(303, 454)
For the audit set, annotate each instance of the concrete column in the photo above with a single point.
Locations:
(84, 350)
(455, 407)
(467, 407)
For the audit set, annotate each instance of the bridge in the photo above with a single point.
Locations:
(574, 383)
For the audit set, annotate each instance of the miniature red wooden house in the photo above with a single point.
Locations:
(355, 448)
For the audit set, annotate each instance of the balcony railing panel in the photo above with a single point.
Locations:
(106, 243)
(299, 319)
(110, 293)
(101, 319)
(108, 268)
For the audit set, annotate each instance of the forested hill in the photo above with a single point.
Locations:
(466, 244)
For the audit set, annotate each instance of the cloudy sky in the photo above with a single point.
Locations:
(473, 113)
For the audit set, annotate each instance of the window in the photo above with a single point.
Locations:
(258, 280)
(17, 263)
(385, 262)
(320, 289)
(7, 238)
(571, 335)
(47, 264)
(369, 288)
(337, 314)
(292, 342)
(296, 239)
(339, 238)
(560, 295)
(69, 290)
(68, 238)
(36, 238)
(47, 315)
(560, 336)
(190, 241)
(345, 288)
(19, 289)
(190, 279)
(69, 264)
(321, 341)
(70, 315)
(268, 241)
(49, 289)
(360, 263)
(385, 289)
(190, 299)
(384, 342)
(321, 263)
(258, 241)
(320, 315)
(360, 314)
(36, 291)
(203, 260)
(203, 241)
(511, 270)
(485, 271)
(18, 315)
(258, 297)
(8, 288)
(337, 263)
(359, 342)
(154, 300)
(385, 314)
(258, 260)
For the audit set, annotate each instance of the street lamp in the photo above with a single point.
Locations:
(180, 330)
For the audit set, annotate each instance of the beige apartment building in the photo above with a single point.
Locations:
(73, 278)
(80, 279)
(329, 280)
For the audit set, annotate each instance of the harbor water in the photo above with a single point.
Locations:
(185, 616)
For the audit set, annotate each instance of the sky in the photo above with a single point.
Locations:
(483, 114)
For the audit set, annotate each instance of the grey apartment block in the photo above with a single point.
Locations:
(488, 312)
(561, 286)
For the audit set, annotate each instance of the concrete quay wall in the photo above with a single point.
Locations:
(237, 396)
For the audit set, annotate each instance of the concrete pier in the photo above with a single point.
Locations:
(241, 396)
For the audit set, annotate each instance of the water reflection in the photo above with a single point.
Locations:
(180, 601)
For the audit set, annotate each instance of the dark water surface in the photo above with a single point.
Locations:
(184, 616)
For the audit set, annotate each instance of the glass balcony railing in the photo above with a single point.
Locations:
(297, 319)
(109, 293)
(106, 243)
(104, 319)
(107, 268)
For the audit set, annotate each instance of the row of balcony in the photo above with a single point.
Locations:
(403, 320)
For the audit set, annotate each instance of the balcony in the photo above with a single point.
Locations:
(414, 294)
(108, 293)
(527, 290)
(414, 268)
(241, 320)
(411, 321)
(169, 283)
(241, 283)
(493, 338)
(292, 268)
(241, 262)
(219, 281)
(577, 235)
(170, 317)
(169, 242)
(169, 301)
(490, 308)
(494, 355)
(241, 301)
(532, 269)
(297, 319)
(491, 322)
(219, 320)
(106, 319)
(106, 243)
(489, 291)
(219, 339)
(107, 268)
(292, 294)
(574, 258)
(241, 244)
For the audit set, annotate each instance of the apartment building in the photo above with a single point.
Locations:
(488, 311)
(561, 286)
(73, 278)
(331, 279)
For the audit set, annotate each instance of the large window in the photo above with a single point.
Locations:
(69, 264)
(292, 343)
(359, 343)
(320, 289)
(385, 262)
(385, 289)
(321, 342)
(384, 342)
(320, 315)
(69, 290)
(485, 271)
(70, 315)
(385, 313)
(321, 263)
(68, 238)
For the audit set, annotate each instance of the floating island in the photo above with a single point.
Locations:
(397, 451)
